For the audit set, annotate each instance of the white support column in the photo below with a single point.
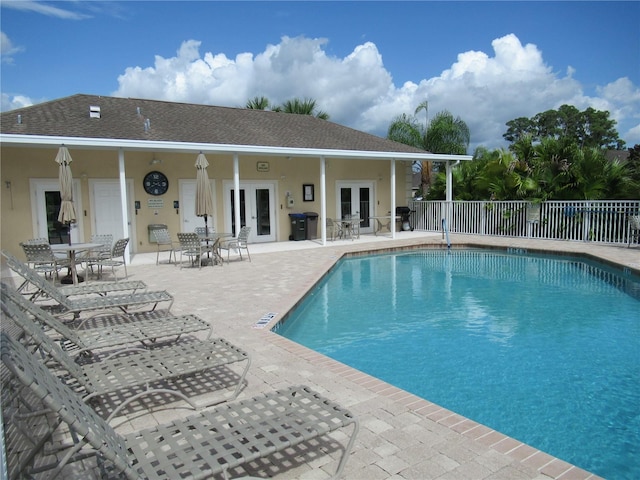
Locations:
(236, 195)
(323, 199)
(449, 192)
(123, 201)
(449, 185)
(393, 198)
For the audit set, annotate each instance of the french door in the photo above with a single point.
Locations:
(356, 198)
(45, 207)
(257, 209)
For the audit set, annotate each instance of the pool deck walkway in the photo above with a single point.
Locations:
(401, 436)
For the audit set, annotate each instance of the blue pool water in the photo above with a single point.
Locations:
(543, 349)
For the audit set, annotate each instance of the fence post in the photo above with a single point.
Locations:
(586, 222)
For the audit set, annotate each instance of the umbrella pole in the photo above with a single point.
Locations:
(206, 233)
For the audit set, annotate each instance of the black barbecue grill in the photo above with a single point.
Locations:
(405, 218)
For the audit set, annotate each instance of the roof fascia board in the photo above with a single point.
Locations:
(182, 147)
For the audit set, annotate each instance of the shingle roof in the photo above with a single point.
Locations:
(124, 118)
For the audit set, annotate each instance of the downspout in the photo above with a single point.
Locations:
(123, 202)
(323, 199)
(236, 194)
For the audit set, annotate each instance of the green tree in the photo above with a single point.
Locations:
(634, 166)
(504, 176)
(445, 134)
(406, 129)
(590, 128)
(258, 103)
(552, 169)
(518, 128)
(305, 106)
(599, 131)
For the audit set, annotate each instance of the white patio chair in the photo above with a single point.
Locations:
(192, 247)
(115, 259)
(94, 256)
(164, 244)
(334, 229)
(238, 244)
(42, 259)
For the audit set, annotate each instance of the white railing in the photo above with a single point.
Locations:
(604, 221)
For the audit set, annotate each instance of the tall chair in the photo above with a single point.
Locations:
(192, 247)
(164, 244)
(333, 229)
(94, 256)
(239, 243)
(42, 259)
(115, 259)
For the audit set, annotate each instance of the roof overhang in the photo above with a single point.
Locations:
(45, 141)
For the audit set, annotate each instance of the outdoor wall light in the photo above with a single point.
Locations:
(155, 161)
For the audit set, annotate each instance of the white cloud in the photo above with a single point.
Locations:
(622, 99)
(7, 48)
(485, 89)
(44, 9)
(633, 136)
(11, 102)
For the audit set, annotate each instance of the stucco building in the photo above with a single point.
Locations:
(275, 163)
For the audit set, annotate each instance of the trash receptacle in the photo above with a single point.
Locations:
(298, 226)
(312, 225)
(151, 228)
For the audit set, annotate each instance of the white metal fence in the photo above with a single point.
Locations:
(605, 221)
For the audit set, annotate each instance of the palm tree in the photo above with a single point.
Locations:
(553, 169)
(304, 107)
(444, 134)
(447, 135)
(258, 103)
(295, 105)
(406, 129)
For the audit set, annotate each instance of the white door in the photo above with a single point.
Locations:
(356, 198)
(257, 209)
(106, 210)
(187, 205)
(45, 206)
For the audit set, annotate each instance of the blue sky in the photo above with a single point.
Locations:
(364, 62)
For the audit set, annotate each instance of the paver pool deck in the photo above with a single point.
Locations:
(401, 435)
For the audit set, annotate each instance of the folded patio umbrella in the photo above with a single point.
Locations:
(204, 202)
(67, 213)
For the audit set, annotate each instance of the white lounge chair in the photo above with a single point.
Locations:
(76, 305)
(209, 443)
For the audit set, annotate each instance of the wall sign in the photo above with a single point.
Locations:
(262, 166)
(155, 203)
(307, 192)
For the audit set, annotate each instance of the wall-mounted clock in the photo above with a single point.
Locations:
(155, 183)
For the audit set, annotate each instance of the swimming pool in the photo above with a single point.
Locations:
(545, 349)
